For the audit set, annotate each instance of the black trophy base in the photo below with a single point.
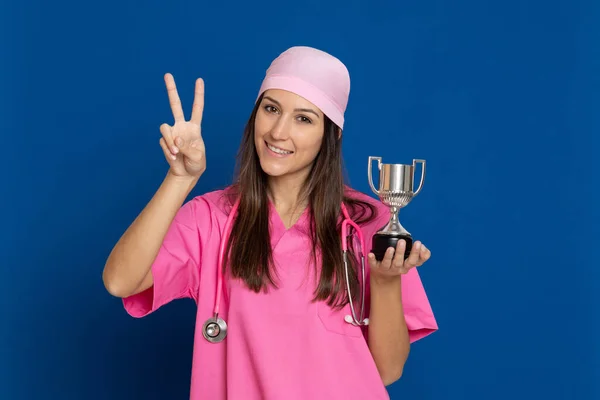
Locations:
(382, 242)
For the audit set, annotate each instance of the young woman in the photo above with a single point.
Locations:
(263, 259)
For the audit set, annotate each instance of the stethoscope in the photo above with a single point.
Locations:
(215, 328)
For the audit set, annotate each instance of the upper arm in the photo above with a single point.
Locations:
(147, 283)
(175, 272)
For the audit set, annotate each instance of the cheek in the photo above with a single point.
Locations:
(257, 127)
(316, 146)
(314, 139)
(259, 132)
(261, 124)
(310, 145)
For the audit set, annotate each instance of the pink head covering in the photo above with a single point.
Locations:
(313, 74)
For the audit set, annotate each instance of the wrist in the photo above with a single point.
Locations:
(393, 283)
(181, 183)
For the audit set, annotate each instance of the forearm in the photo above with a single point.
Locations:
(388, 333)
(130, 261)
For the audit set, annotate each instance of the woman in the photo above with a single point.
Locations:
(288, 331)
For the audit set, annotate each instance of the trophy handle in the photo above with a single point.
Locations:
(415, 161)
(370, 174)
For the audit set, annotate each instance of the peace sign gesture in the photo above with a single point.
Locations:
(182, 143)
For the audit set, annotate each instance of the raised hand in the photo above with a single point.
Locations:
(182, 143)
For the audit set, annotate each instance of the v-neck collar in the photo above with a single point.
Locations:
(277, 226)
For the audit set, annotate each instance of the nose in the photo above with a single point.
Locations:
(281, 129)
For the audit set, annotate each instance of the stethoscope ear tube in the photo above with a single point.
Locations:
(351, 319)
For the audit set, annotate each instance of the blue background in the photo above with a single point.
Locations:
(500, 98)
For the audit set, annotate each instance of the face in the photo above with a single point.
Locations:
(288, 132)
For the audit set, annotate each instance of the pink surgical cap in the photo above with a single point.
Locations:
(314, 75)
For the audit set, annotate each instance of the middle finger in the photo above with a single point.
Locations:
(400, 250)
(198, 106)
(386, 263)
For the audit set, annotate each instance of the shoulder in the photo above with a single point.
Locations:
(380, 211)
(219, 201)
(206, 208)
(358, 195)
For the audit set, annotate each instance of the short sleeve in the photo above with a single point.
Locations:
(176, 269)
(418, 313)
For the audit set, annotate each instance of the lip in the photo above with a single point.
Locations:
(272, 153)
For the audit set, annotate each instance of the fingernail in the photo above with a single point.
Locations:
(417, 245)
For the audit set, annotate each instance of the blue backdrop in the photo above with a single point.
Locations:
(500, 98)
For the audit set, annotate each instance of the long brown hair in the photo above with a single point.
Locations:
(249, 256)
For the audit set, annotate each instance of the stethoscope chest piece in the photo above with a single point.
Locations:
(214, 329)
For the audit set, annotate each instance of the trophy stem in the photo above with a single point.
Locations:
(389, 235)
(395, 211)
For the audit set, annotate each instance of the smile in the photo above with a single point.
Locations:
(277, 150)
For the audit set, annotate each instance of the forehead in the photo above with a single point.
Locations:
(290, 100)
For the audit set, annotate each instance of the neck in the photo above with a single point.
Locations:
(285, 193)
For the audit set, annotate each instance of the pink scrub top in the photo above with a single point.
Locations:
(279, 345)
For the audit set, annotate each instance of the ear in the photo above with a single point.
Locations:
(339, 132)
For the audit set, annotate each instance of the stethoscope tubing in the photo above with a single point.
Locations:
(215, 328)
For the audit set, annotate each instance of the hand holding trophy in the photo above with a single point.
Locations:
(396, 183)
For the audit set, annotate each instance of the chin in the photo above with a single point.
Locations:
(273, 170)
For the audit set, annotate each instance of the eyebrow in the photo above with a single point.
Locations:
(308, 110)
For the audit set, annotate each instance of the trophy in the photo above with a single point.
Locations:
(396, 183)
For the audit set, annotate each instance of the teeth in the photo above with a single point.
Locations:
(278, 150)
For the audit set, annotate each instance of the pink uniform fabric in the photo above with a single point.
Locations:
(280, 345)
(313, 74)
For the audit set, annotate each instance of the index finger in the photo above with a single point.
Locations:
(198, 107)
(174, 98)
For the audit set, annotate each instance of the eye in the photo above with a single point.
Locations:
(304, 119)
(270, 109)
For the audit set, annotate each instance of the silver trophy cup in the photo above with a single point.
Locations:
(396, 183)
